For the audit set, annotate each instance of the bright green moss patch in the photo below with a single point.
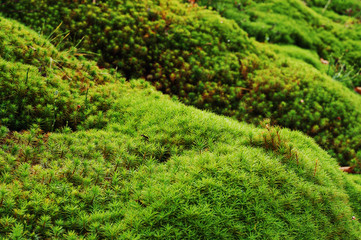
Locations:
(353, 188)
(195, 176)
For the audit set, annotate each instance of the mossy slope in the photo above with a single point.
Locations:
(209, 62)
(155, 168)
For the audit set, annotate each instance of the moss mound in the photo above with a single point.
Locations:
(208, 61)
(331, 29)
(149, 167)
(195, 178)
(43, 86)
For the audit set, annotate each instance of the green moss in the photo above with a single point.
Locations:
(43, 86)
(347, 7)
(314, 25)
(301, 54)
(196, 173)
(209, 62)
(143, 166)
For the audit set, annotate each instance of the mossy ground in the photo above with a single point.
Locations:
(196, 175)
(113, 159)
(209, 61)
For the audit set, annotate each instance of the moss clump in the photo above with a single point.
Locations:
(43, 86)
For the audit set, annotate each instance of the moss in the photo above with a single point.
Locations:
(209, 62)
(141, 165)
(326, 29)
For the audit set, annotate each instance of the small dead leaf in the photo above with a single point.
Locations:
(358, 90)
(323, 61)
